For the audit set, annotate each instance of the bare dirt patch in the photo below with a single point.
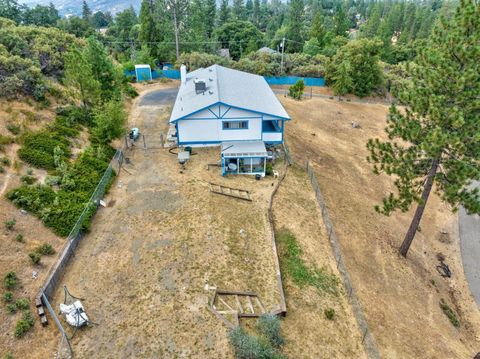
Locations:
(400, 297)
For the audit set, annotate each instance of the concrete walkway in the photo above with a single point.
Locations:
(469, 226)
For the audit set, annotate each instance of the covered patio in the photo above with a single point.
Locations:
(244, 157)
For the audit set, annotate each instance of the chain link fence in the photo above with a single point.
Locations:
(368, 340)
(73, 239)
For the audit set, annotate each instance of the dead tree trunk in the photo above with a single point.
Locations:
(412, 230)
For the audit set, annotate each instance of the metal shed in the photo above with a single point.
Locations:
(143, 73)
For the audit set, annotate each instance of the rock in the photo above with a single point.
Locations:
(22, 211)
(355, 125)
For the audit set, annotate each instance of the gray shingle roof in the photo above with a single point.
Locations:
(231, 87)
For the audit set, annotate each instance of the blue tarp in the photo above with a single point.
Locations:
(284, 80)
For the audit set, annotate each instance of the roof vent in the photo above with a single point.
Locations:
(211, 79)
(210, 92)
(210, 69)
(200, 86)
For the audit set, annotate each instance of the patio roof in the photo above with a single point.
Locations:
(237, 149)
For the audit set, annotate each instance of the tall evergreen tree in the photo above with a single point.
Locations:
(223, 13)
(148, 34)
(317, 30)
(86, 12)
(295, 26)
(435, 141)
(210, 15)
(238, 10)
(256, 12)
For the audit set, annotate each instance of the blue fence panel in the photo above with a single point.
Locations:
(284, 80)
(291, 80)
(144, 74)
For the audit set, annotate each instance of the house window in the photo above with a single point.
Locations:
(235, 125)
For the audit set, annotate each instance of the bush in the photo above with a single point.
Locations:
(45, 249)
(10, 224)
(10, 280)
(19, 238)
(35, 257)
(450, 313)
(11, 308)
(5, 141)
(329, 313)
(28, 179)
(296, 91)
(246, 346)
(14, 129)
(8, 356)
(24, 325)
(269, 169)
(5, 161)
(38, 148)
(2, 169)
(22, 304)
(8, 297)
(269, 326)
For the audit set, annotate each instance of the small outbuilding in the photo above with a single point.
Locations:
(143, 73)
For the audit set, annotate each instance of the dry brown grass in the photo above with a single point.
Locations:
(400, 297)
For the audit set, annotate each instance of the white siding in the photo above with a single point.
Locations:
(198, 130)
(254, 131)
(272, 136)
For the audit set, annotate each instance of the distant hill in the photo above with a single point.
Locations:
(74, 7)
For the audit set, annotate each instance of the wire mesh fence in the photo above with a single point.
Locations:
(73, 239)
(368, 340)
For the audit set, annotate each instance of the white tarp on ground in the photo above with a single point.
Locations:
(74, 314)
(237, 149)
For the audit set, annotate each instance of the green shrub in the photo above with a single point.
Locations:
(450, 313)
(246, 346)
(295, 267)
(2, 169)
(24, 325)
(296, 91)
(19, 238)
(30, 171)
(28, 179)
(8, 356)
(269, 326)
(11, 308)
(8, 297)
(329, 313)
(38, 148)
(22, 304)
(5, 141)
(35, 257)
(269, 169)
(10, 224)
(5, 161)
(10, 280)
(45, 249)
(14, 129)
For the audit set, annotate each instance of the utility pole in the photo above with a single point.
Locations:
(175, 24)
(283, 50)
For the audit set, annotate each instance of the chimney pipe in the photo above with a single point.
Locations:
(183, 74)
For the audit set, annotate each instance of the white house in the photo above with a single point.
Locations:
(237, 110)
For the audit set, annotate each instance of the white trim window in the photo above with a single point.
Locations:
(235, 125)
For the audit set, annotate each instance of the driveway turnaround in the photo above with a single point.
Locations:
(470, 245)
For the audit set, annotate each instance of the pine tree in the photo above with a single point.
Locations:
(343, 83)
(86, 12)
(238, 10)
(79, 74)
(341, 22)
(256, 12)
(317, 29)
(148, 34)
(210, 14)
(224, 13)
(295, 26)
(435, 141)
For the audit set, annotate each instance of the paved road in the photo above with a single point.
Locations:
(470, 247)
(164, 96)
